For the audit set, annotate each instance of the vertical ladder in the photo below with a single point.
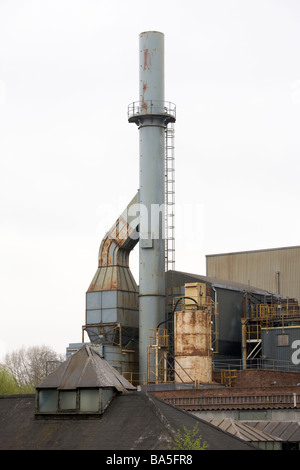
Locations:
(169, 197)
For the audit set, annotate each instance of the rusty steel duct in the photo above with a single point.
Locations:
(113, 260)
(152, 114)
(112, 297)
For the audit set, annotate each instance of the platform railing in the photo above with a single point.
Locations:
(151, 107)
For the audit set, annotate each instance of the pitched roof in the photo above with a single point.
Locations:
(86, 368)
(133, 421)
(285, 430)
(216, 438)
(244, 431)
(216, 282)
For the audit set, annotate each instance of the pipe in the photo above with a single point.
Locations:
(174, 309)
(114, 252)
(278, 282)
(152, 115)
(112, 296)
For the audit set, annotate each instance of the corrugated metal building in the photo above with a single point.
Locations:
(275, 270)
(282, 345)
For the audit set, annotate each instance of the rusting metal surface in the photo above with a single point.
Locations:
(192, 345)
(110, 278)
(224, 402)
(193, 369)
(192, 333)
(120, 239)
(112, 297)
(113, 271)
(117, 244)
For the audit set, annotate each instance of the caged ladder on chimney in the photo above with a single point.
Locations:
(169, 198)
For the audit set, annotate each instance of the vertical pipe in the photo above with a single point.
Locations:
(152, 116)
(278, 283)
(152, 68)
(152, 191)
(244, 343)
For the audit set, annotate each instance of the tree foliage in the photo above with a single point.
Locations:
(28, 366)
(189, 440)
(8, 385)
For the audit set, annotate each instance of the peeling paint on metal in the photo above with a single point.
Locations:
(147, 59)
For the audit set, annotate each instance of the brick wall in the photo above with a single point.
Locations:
(249, 382)
(257, 378)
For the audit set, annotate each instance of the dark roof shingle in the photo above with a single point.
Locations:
(133, 421)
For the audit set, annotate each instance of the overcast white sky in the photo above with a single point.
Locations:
(69, 158)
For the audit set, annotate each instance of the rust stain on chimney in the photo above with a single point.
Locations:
(146, 58)
(144, 104)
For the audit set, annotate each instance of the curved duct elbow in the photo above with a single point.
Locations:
(117, 243)
(113, 271)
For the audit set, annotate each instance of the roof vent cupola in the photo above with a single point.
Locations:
(83, 386)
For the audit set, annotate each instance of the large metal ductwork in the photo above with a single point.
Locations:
(112, 297)
(152, 114)
(117, 310)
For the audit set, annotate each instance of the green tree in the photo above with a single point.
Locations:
(189, 440)
(28, 366)
(8, 385)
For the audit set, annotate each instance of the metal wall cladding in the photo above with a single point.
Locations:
(113, 278)
(111, 299)
(112, 306)
(230, 306)
(259, 268)
(121, 359)
(281, 344)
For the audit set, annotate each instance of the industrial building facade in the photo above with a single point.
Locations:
(274, 270)
(270, 329)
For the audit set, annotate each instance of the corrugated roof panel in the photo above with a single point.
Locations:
(285, 430)
(243, 430)
(221, 283)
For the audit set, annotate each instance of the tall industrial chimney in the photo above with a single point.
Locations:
(152, 114)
